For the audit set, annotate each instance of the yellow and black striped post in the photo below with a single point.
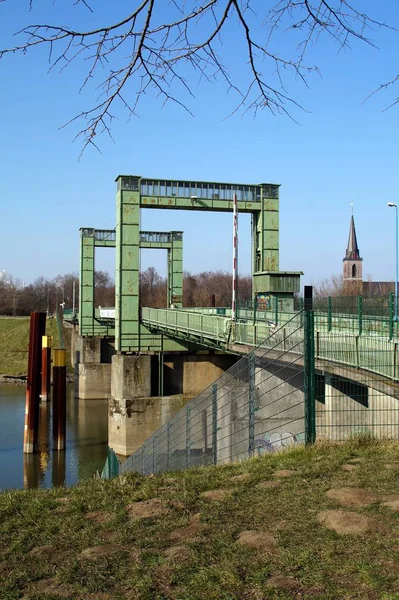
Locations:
(46, 367)
(59, 399)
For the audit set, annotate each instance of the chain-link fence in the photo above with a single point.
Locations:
(297, 386)
(256, 406)
(351, 400)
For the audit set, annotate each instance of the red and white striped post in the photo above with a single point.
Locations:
(235, 259)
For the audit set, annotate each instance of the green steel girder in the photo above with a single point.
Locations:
(261, 200)
(135, 192)
(92, 238)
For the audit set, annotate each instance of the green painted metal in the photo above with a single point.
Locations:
(360, 313)
(135, 192)
(111, 467)
(188, 434)
(175, 271)
(251, 404)
(391, 314)
(127, 273)
(86, 281)
(214, 423)
(329, 314)
(309, 378)
(91, 324)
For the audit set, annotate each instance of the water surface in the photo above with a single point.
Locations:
(86, 442)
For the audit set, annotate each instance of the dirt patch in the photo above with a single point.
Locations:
(392, 466)
(350, 468)
(346, 523)
(96, 596)
(177, 504)
(244, 478)
(100, 516)
(147, 509)
(41, 550)
(258, 540)
(177, 554)
(110, 536)
(269, 484)
(50, 587)
(348, 496)
(392, 502)
(162, 578)
(355, 461)
(216, 494)
(284, 473)
(99, 551)
(287, 584)
(189, 532)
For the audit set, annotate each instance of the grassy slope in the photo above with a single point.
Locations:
(43, 533)
(14, 341)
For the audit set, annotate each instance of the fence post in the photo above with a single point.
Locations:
(391, 309)
(360, 313)
(215, 423)
(329, 314)
(251, 405)
(309, 369)
(188, 410)
(168, 446)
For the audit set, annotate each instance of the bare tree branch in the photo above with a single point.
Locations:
(143, 52)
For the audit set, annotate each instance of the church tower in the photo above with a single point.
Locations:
(352, 263)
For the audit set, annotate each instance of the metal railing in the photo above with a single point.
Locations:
(181, 323)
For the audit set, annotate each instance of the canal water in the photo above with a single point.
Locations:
(86, 438)
(86, 442)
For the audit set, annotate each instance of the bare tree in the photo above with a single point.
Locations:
(153, 48)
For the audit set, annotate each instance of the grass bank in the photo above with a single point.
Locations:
(318, 523)
(14, 341)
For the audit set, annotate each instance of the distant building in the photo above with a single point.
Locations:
(353, 271)
(352, 267)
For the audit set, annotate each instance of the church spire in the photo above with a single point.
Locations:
(352, 263)
(352, 251)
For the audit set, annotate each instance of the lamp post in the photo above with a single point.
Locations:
(395, 206)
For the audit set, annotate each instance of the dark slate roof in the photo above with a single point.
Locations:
(352, 251)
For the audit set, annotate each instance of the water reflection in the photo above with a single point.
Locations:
(86, 442)
(58, 473)
(86, 438)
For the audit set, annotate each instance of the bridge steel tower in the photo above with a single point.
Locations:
(135, 192)
(90, 323)
(131, 365)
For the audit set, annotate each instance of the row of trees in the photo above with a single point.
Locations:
(51, 295)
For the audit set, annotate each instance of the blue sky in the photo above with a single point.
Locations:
(341, 152)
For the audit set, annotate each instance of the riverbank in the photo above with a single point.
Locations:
(315, 522)
(14, 344)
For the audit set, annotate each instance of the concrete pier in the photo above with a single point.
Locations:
(92, 366)
(189, 373)
(130, 387)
